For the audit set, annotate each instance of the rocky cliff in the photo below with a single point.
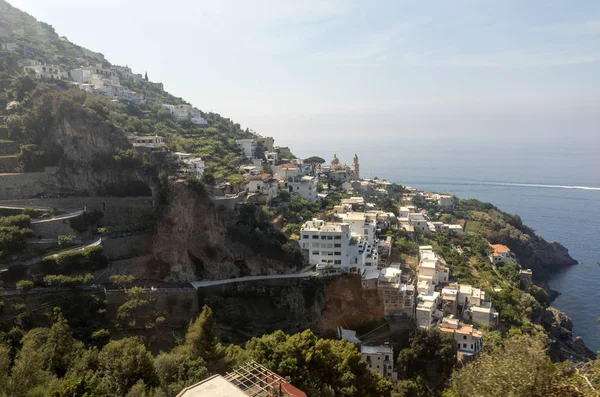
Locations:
(559, 327)
(193, 241)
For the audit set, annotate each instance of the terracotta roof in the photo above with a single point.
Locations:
(500, 249)
(265, 176)
(287, 165)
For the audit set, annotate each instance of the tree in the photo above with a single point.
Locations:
(319, 367)
(146, 76)
(313, 162)
(122, 363)
(120, 281)
(520, 368)
(430, 356)
(201, 340)
(60, 348)
(66, 240)
(24, 285)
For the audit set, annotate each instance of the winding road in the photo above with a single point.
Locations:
(202, 284)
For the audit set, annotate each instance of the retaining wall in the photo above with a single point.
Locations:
(28, 184)
(53, 228)
(117, 210)
(127, 247)
(8, 148)
(8, 164)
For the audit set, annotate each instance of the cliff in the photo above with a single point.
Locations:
(195, 240)
(559, 327)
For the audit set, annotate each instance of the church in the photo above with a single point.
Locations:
(344, 173)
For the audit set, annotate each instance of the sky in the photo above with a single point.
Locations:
(360, 70)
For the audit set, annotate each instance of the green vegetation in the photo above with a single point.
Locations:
(85, 259)
(59, 280)
(66, 240)
(24, 285)
(12, 239)
(521, 367)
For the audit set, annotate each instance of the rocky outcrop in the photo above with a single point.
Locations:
(192, 242)
(559, 327)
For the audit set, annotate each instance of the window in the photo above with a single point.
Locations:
(464, 337)
(315, 237)
(337, 262)
(315, 253)
(305, 236)
(338, 253)
(338, 237)
(471, 346)
(464, 345)
(329, 237)
(336, 245)
(387, 358)
(323, 237)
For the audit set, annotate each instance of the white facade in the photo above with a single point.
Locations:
(184, 112)
(427, 313)
(444, 200)
(361, 225)
(265, 186)
(305, 187)
(469, 340)
(500, 254)
(84, 74)
(452, 229)
(196, 166)
(41, 70)
(248, 146)
(9, 46)
(380, 359)
(329, 245)
(148, 141)
(418, 221)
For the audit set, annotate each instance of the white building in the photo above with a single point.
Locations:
(380, 359)
(330, 245)
(427, 312)
(451, 229)
(444, 200)
(196, 166)
(265, 186)
(185, 112)
(353, 201)
(470, 296)
(272, 158)
(361, 225)
(484, 314)
(500, 253)
(303, 186)
(285, 171)
(469, 340)
(419, 222)
(248, 146)
(84, 74)
(9, 46)
(397, 300)
(148, 141)
(41, 70)
(431, 267)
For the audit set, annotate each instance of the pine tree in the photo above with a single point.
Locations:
(201, 341)
(146, 76)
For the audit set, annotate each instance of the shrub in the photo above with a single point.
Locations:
(60, 280)
(12, 239)
(89, 259)
(24, 285)
(21, 221)
(66, 240)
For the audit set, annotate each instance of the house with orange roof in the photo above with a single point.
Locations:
(500, 253)
(468, 339)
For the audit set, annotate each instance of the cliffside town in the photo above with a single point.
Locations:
(130, 209)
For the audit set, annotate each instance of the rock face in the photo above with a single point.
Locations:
(191, 242)
(560, 329)
(551, 255)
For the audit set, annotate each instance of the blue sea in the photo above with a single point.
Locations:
(554, 187)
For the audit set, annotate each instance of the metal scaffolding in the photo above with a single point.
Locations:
(257, 381)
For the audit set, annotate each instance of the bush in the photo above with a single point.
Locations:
(24, 285)
(12, 239)
(60, 280)
(86, 259)
(21, 221)
(66, 240)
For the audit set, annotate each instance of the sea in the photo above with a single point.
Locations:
(553, 185)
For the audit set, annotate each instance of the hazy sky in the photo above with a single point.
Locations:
(353, 69)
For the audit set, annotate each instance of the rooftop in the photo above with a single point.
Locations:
(500, 249)
(383, 349)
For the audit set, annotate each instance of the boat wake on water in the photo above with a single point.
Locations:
(540, 185)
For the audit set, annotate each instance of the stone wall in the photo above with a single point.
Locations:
(53, 228)
(29, 184)
(8, 148)
(229, 201)
(127, 247)
(117, 210)
(8, 163)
